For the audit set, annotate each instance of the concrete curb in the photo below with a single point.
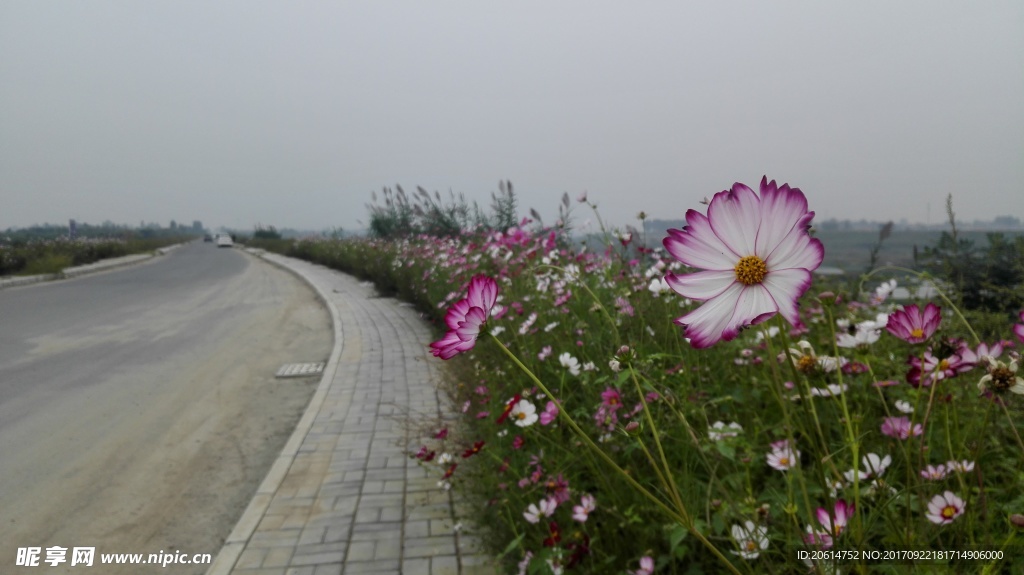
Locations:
(233, 546)
(95, 267)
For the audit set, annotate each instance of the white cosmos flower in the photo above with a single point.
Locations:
(569, 362)
(524, 413)
(750, 538)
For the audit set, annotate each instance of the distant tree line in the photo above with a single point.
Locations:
(106, 230)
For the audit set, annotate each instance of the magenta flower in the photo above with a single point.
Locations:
(913, 326)
(835, 523)
(935, 369)
(757, 259)
(466, 318)
(550, 413)
(900, 428)
(1018, 329)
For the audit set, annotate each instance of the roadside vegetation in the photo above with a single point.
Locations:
(827, 428)
(49, 250)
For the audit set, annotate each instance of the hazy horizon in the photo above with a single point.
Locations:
(243, 113)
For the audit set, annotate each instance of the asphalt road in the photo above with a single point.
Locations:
(138, 407)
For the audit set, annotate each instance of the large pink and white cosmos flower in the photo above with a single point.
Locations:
(466, 318)
(757, 259)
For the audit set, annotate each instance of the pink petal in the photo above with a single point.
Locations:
(697, 246)
(456, 314)
(843, 512)
(735, 216)
(824, 518)
(450, 345)
(786, 287)
(470, 329)
(483, 292)
(931, 318)
(701, 286)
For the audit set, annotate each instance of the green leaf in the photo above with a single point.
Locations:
(676, 536)
(727, 450)
(515, 543)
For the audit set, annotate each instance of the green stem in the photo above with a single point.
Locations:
(680, 516)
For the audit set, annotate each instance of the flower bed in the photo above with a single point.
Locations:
(707, 407)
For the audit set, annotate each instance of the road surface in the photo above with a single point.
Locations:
(138, 407)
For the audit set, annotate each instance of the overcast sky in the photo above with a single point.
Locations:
(291, 113)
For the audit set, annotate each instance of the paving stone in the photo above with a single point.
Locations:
(348, 498)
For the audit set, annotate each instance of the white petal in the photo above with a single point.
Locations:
(796, 250)
(701, 286)
(786, 287)
(735, 216)
(781, 210)
(697, 246)
(704, 325)
(753, 306)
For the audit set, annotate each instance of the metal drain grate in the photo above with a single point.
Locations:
(299, 369)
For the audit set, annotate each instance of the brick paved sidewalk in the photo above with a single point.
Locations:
(344, 496)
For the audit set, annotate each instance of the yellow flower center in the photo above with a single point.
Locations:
(944, 365)
(917, 332)
(806, 364)
(948, 511)
(521, 415)
(1003, 378)
(751, 546)
(784, 461)
(751, 270)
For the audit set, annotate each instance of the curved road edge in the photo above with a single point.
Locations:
(233, 546)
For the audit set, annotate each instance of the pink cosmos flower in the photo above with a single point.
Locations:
(835, 523)
(935, 369)
(982, 354)
(913, 326)
(783, 457)
(757, 259)
(582, 511)
(549, 414)
(1018, 329)
(934, 473)
(558, 488)
(466, 318)
(534, 513)
(832, 525)
(943, 509)
(964, 466)
(900, 428)
(646, 566)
